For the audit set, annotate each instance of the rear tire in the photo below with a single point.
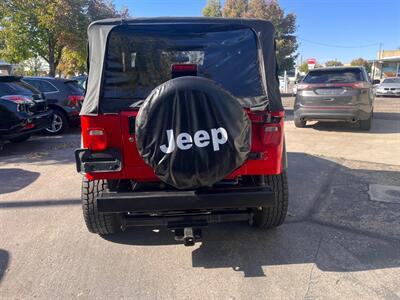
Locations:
(270, 217)
(365, 124)
(58, 124)
(299, 123)
(97, 222)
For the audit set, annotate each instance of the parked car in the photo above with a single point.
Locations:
(388, 87)
(182, 126)
(23, 110)
(338, 94)
(64, 96)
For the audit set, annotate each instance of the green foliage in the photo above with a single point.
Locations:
(45, 28)
(234, 8)
(212, 9)
(303, 67)
(285, 25)
(362, 63)
(333, 63)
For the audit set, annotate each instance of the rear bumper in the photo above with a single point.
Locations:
(183, 201)
(342, 113)
(39, 123)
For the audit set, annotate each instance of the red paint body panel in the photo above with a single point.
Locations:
(116, 127)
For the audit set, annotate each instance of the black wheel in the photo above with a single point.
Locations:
(96, 222)
(365, 124)
(299, 122)
(58, 124)
(20, 139)
(270, 217)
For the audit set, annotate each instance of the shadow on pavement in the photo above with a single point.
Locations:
(377, 125)
(43, 149)
(14, 179)
(4, 261)
(332, 223)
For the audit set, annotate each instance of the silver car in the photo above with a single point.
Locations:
(388, 87)
(335, 94)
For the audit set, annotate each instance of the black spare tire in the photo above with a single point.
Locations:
(192, 132)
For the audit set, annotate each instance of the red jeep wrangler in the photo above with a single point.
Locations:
(182, 126)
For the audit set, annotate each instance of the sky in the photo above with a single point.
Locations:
(326, 29)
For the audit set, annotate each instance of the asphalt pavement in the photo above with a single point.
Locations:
(341, 238)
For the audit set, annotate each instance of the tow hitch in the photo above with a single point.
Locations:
(188, 235)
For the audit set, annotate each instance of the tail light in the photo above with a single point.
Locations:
(20, 99)
(360, 85)
(303, 86)
(74, 100)
(96, 139)
(272, 129)
(179, 70)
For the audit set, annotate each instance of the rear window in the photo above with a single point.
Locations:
(139, 58)
(334, 76)
(391, 80)
(74, 87)
(16, 88)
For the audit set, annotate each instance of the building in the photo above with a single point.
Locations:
(387, 64)
(5, 68)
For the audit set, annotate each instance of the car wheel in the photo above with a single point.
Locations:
(270, 217)
(97, 222)
(20, 139)
(299, 123)
(365, 124)
(58, 124)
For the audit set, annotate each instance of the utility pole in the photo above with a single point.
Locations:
(374, 63)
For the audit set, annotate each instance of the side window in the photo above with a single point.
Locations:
(47, 87)
(34, 83)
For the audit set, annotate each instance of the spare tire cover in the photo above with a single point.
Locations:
(192, 132)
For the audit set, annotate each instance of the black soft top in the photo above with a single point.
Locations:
(99, 31)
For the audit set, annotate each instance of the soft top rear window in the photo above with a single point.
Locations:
(139, 58)
(334, 76)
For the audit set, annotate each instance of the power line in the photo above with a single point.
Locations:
(337, 46)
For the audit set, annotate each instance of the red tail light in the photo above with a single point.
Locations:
(17, 98)
(184, 68)
(96, 139)
(272, 130)
(359, 85)
(303, 86)
(74, 100)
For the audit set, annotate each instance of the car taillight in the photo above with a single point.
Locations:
(18, 98)
(74, 100)
(360, 85)
(272, 130)
(96, 139)
(179, 70)
(303, 86)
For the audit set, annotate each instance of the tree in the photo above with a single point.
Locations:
(234, 8)
(333, 63)
(285, 26)
(362, 63)
(303, 67)
(73, 58)
(212, 9)
(45, 28)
